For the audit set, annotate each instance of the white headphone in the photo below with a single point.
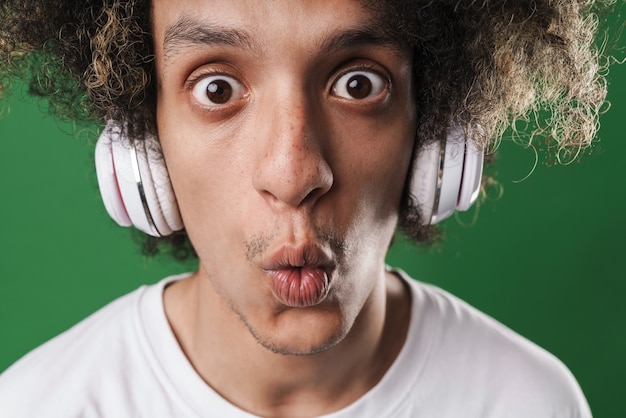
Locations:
(447, 178)
(136, 189)
(134, 183)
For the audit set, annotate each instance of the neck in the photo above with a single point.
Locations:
(226, 355)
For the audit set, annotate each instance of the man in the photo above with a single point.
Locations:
(290, 131)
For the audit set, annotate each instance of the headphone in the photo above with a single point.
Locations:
(446, 177)
(136, 188)
(134, 183)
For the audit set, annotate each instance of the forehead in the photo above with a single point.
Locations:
(249, 25)
(259, 14)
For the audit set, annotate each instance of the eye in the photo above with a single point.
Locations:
(217, 90)
(359, 85)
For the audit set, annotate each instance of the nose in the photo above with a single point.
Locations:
(291, 168)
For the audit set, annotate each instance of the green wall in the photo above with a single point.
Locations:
(546, 259)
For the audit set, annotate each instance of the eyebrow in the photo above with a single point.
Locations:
(188, 32)
(370, 34)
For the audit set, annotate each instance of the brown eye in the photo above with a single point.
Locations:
(359, 85)
(217, 90)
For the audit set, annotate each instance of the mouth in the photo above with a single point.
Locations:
(300, 276)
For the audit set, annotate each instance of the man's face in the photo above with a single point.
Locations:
(287, 128)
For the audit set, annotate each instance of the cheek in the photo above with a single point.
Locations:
(375, 171)
(202, 177)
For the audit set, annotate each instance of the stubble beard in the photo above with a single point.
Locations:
(282, 349)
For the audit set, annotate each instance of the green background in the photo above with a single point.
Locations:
(546, 258)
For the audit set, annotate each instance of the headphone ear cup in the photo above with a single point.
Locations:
(157, 187)
(450, 175)
(424, 180)
(472, 176)
(447, 179)
(141, 182)
(107, 179)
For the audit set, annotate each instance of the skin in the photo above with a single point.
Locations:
(291, 163)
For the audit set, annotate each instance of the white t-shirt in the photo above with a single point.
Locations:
(124, 361)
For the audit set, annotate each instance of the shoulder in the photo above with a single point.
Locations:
(481, 363)
(55, 378)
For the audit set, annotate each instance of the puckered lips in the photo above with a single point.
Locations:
(299, 276)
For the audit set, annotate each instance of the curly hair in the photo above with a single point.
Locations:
(482, 63)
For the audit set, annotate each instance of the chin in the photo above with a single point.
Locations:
(290, 348)
(299, 332)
